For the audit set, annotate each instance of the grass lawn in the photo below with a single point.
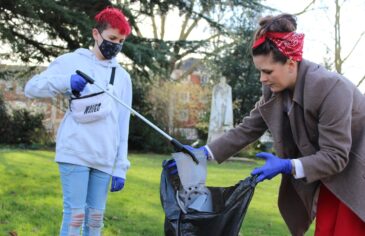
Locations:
(31, 198)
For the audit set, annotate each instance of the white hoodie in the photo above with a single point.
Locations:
(101, 144)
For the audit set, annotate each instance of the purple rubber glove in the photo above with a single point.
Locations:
(273, 166)
(117, 184)
(206, 152)
(170, 166)
(77, 84)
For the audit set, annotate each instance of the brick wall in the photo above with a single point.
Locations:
(12, 82)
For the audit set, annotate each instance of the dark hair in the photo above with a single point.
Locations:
(279, 23)
(113, 17)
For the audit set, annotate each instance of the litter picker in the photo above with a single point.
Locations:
(177, 145)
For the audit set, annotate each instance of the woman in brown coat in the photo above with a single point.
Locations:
(317, 121)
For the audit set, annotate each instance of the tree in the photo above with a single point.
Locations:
(214, 14)
(234, 61)
(26, 128)
(21, 127)
(339, 55)
(339, 58)
(39, 30)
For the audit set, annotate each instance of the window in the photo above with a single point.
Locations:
(183, 115)
(184, 97)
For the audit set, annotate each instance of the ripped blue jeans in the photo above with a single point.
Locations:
(85, 192)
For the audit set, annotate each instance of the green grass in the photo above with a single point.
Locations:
(31, 198)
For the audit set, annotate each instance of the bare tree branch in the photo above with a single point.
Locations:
(306, 8)
(360, 82)
(191, 27)
(154, 27)
(338, 60)
(138, 31)
(163, 24)
(353, 48)
(184, 25)
(40, 46)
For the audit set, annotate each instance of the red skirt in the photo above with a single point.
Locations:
(334, 218)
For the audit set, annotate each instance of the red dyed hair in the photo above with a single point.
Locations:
(113, 17)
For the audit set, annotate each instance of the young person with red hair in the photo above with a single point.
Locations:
(90, 152)
(317, 121)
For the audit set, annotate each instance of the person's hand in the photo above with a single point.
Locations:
(273, 166)
(117, 184)
(77, 83)
(170, 166)
(206, 152)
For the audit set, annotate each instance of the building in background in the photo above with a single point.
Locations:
(182, 101)
(12, 81)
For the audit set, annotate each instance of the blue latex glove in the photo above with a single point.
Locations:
(77, 83)
(206, 152)
(170, 166)
(117, 184)
(273, 166)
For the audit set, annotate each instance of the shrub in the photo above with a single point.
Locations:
(4, 121)
(143, 138)
(21, 127)
(26, 128)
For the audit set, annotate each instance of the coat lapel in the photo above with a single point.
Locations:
(300, 133)
(296, 115)
(272, 113)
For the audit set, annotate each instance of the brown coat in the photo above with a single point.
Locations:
(325, 129)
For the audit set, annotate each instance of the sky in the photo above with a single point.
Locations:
(317, 25)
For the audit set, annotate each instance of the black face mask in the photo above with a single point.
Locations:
(109, 49)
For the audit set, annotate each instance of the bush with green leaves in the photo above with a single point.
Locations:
(22, 127)
(4, 121)
(26, 128)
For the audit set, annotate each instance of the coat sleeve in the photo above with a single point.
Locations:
(249, 130)
(122, 163)
(51, 82)
(334, 134)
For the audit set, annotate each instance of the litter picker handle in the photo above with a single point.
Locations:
(85, 76)
(181, 148)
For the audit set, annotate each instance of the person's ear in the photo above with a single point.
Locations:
(292, 65)
(95, 34)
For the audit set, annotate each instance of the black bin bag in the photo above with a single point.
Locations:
(229, 208)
